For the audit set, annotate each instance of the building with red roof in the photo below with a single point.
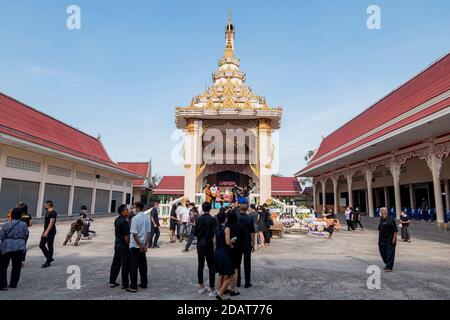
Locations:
(394, 154)
(141, 187)
(42, 158)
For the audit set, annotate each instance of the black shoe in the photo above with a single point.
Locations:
(12, 287)
(4, 289)
(228, 291)
(185, 250)
(248, 285)
(45, 265)
(113, 285)
(142, 287)
(156, 247)
(233, 294)
(51, 260)
(124, 287)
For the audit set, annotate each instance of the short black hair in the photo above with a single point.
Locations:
(23, 206)
(139, 205)
(221, 217)
(206, 207)
(49, 203)
(83, 207)
(121, 208)
(253, 206)
(232, 216)
(16, 213)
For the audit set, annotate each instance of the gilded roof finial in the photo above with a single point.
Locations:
(229, 34)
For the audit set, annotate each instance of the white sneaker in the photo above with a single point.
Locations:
(212, 293)
(203, 290)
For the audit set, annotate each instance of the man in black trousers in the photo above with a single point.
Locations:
(387, 239)
(49, 234)
(121, 258)
(204, 231)
(245, 230)
(154, 221)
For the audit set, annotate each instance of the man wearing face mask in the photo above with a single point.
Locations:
(121, 258)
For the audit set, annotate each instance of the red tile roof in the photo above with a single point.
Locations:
(281, 186)
(170, 185)
(430, 83)
(285, 187)
(140, 168)
(25, 123)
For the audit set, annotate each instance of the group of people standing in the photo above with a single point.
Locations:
(353, 218)
(14, 237)
(224, 242)
(225, 196)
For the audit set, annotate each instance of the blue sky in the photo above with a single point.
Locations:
(133, 62)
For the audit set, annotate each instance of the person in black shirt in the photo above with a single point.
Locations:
(204, 231)
(235, 251)
(387, 239)
(154, 219)
(26, 217)
(404, 220)
(192, 221)
(173, 223)
(48, 236)
(121, 258)
(244, 242)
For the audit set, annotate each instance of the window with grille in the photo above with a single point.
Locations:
(84, 176)
(22, 164)
(59, 171)
(128, 184)
(118, 182)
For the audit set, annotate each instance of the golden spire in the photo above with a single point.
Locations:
(229, 34)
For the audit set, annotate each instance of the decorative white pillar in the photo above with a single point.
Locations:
(265, 155)
(314, 196)
(349, 187)
(369, 177)
(94, 193)
(110, 194)
(190, 159)
(41, 200)
(71, 193)
(386, 196)
(434, 162)
(447, 194)
(324, 195)
(335, 191)
(395, 169)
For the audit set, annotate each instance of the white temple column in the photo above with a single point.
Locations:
(436, 165)
(386, 195)
(265, 160)
(324, 195)
(190, 159)
(395, 169)
(94, 193)
(369, 177)
(335, 191)
(349, 188)
(111, 194)
(71, 193)
(447, 194)
(40, 204)
(314, 197)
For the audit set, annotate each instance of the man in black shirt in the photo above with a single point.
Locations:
(48, 236)
(154, 220)
(387, 239)
(244, 243)
(204, 231)
(121, 258)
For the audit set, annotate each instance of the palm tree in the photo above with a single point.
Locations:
(309, 155)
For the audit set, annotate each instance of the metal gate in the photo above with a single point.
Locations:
(81, 197)
(14, 191)
(101, 201)
(59, 195)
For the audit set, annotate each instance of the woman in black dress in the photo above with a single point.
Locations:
(235, 252)
(173, 223)
(262, 226)
(222, 259)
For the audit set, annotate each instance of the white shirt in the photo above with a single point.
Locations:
(140, 225)
(213, 190)
(185, 215)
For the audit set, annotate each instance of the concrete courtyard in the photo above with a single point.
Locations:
(296, 267)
